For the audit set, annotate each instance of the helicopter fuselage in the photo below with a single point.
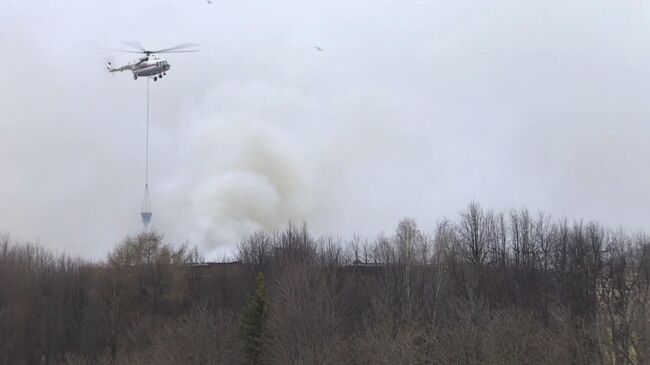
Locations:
(145, 67)
(150, 68)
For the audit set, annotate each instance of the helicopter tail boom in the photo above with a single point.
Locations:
(110, 68)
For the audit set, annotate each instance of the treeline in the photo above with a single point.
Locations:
(487, 288)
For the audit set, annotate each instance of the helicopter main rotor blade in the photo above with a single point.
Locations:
(193, 50)
(135, 45)
(126, 51)
(180, 46)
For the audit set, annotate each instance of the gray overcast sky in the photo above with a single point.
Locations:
(414, 109)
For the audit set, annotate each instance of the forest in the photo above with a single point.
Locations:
(486, 287)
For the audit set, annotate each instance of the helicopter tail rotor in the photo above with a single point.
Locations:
(109, 67)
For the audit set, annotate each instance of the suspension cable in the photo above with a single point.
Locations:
(146, 178)
(146, 208)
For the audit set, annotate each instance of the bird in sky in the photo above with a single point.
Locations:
(319, 49)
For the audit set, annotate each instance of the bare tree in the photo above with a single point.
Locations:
(305, 317)
(488, 288)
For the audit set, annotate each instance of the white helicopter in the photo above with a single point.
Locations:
(149, 65)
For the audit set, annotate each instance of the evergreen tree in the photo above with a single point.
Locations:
(253, 324)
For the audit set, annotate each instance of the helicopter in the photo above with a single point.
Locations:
(149, 65)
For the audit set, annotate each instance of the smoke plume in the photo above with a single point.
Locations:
(237, 174)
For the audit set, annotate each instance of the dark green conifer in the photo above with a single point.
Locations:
(253, 325)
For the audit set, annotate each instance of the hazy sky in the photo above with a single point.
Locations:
(414, 109)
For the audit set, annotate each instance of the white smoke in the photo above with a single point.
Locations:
(238, 173)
